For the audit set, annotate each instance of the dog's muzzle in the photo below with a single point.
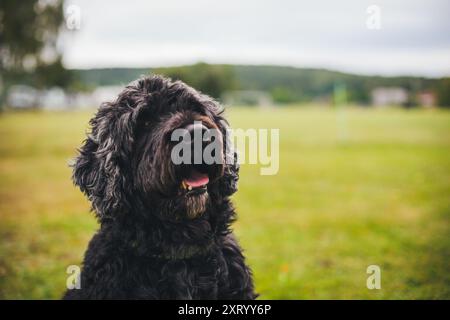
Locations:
(205, 163)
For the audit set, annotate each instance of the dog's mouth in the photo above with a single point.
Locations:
(195, 180)
(194, 188)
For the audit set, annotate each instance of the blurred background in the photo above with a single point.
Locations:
(360, 91)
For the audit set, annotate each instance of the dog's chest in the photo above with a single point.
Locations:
(194, 278)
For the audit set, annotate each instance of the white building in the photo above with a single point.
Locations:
(248, 97)
(391, 96)
(23, 97)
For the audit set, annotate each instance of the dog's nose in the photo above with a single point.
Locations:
(198, 130)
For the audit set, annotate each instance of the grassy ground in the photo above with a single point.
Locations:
(375, 192)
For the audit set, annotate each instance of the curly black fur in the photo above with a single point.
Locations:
(154, 243)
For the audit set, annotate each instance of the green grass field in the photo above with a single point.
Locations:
(379, 194)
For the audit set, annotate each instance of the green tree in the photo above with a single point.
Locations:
(443, 92)
(283, 95)
(28, 52)
(213, 80)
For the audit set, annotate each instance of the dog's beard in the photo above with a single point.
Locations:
(194, 187)
(196, 205)
(185, 204)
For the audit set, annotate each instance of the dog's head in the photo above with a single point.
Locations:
(129, 161)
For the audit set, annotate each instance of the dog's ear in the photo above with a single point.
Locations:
(231, 174)
(100, 170)
(229, 181)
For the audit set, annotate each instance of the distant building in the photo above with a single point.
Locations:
(53, 99)
(24, 97)
(248, 98)
(426, 99)
(392, 96)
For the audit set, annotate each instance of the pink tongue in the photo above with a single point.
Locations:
(197, 179)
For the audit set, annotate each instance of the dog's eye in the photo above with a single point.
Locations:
(147, 124)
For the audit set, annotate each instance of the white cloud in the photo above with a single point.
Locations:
(333, 34)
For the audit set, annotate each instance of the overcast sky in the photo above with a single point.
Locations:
(414, 37)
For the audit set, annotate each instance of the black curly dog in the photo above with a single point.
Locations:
(159, 238)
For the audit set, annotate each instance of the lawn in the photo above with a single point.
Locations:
(355, 187)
